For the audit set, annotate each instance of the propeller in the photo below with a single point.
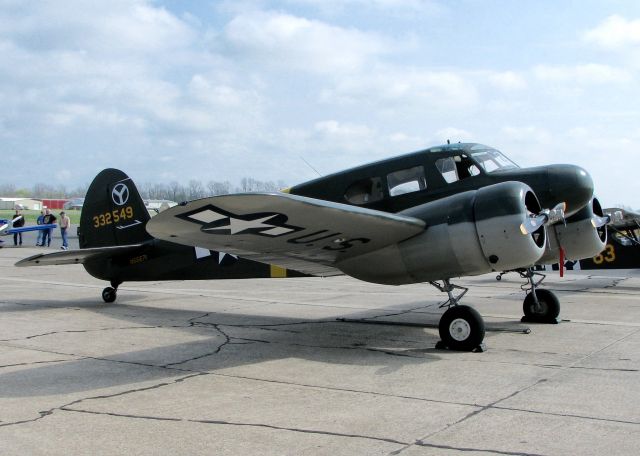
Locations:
(545, 217)
(607, 219)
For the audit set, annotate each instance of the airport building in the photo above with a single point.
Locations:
(20, 203)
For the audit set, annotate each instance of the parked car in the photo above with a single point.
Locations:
(75, 203)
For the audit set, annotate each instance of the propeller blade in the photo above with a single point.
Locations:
(599, 222)
(607, 219)
(545, 217)
(533, 223)
(556, 214)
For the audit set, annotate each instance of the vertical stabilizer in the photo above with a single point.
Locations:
(113, 212)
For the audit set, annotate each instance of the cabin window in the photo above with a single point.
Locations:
(456, 168)
(406, 181)
(365, 191)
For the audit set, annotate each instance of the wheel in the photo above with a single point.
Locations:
(498, 278)
(109, 294)
(548, 310)
(461, 328)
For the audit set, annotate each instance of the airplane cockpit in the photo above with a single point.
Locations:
(461, 165)
(396, 183)
(490, 160)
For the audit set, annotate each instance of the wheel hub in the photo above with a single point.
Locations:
(540, 308)
(459, 329)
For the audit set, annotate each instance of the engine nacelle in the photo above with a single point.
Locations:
(580, 237)
(469, 233)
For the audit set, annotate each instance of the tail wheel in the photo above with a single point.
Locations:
(461, 328)
(109, 294)
(547, 310)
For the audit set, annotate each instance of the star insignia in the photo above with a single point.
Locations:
(218, 221)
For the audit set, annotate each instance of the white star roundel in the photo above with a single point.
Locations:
(218, 221)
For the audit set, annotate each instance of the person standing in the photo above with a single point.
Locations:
(18, 222)
(48, 219)
(65, 222)
(40, 221)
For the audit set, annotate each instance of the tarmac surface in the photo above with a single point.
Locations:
(263, 367)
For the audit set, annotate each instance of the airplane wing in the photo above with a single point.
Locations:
(24, 229)
(76, 256)
(295, 232)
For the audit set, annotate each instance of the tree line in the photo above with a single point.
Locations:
(174, 191)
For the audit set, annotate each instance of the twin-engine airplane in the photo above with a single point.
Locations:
(429, 216)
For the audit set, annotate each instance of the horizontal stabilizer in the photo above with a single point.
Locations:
(295, 232)
(77, 256)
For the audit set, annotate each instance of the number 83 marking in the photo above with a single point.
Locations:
(608, 255)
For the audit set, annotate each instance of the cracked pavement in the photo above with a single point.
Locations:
(265, 367)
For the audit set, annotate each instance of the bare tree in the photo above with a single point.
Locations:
(173, 191)
(7, 189)
(196, 190)
(218, 188)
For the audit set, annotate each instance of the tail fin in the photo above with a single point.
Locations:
(113, 212)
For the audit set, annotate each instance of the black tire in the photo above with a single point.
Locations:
(549, 307)
(109, 294)
(461, 328)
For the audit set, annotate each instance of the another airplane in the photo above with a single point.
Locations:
(622, 250)
(444, 212)
(7, 228)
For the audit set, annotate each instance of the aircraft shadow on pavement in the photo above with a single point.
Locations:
(223, 340)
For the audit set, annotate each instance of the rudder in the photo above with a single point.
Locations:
(113, 212)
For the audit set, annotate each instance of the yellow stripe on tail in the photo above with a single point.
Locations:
(277, 272)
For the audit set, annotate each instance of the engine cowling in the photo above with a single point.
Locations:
(470, 233)
(580, 237)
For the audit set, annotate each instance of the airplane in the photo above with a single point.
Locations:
(7, 228)
(429, 216)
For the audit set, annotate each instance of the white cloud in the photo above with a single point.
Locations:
(527, 134)
(393, 7)
(333, 128)
(454, 135)
(114, 27)
(390, 87)
(508, 80)
(615, 32)
(591, 73)
(284, 40)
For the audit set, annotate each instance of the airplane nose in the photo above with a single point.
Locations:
(571, 184)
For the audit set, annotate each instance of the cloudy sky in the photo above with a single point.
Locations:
(219, 90)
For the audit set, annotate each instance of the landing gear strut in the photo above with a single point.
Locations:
(539, 306)
(461, 327)
(110, 294)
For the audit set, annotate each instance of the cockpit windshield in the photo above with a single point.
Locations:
(491, 159)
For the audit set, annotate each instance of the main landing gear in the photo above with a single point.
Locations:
(539, 306)
(461, 327)
(110, 294)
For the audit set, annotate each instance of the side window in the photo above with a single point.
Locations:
(406, 181)
(365, 191)
(456, 168)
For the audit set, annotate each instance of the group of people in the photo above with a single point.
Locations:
(44, 235)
